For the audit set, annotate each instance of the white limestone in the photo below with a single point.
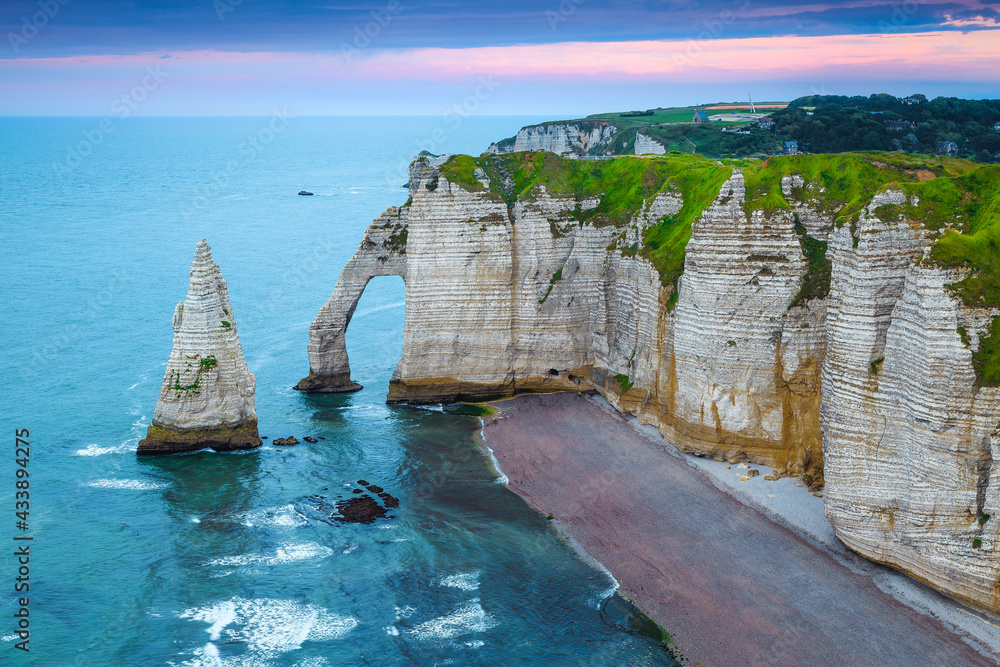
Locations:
(207, 395)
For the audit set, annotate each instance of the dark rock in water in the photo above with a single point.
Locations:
(375, 489)
(359, 510)
(305, 194)
(309, 439)
(389, 500)
(405, 185)
(322, 438)
(263, 437)
(285, 441)
(357, 491)
(362, 482)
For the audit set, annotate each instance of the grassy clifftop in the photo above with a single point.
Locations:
(956, 200)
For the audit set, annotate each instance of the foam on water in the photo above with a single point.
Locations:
(96, 450)
(501, 477)
(275, 516)
(131, 484)
(470, 617)
(468, 581)
(266, 627)
(286, 553)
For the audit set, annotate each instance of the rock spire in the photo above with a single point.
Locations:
(207, 397)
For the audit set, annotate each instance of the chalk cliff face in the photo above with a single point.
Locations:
(582, 138)
(824, 346)
(207, 396)
(502, 299)
(647, 145)
(910, 439)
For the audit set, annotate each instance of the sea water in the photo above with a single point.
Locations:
(224, 559)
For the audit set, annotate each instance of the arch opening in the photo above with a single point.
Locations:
(374, 335)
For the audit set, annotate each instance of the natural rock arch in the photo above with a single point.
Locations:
(382, 253)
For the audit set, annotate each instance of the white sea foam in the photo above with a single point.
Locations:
(470, 617)
(286, 553)
(476, 643)
(390, 630)
(131, 484)
(468, 581)
(429, 408)
(501, 477)
(351, 548)
(97, 450)
(225, 614)
(141, 380)
(10, 638)
(266, 627)
(195, 519)
(275, 516)
(404, 612)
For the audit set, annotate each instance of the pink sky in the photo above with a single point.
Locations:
(317, 81)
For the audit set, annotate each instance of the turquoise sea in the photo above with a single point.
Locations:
(224, 559)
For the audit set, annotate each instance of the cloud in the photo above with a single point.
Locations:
(211, 81)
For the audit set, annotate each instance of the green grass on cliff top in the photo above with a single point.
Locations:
(957, 198)
(623, 185)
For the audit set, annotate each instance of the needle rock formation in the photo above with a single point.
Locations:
(207, 397)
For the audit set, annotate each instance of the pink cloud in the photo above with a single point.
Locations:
(923, 55)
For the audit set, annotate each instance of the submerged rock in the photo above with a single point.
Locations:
(309, 439)
(207, 396)
(359, 510)
(305, 194)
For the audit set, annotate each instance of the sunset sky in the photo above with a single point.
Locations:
(559, 57)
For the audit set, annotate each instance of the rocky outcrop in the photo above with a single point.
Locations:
(506, 299)
(572, 139)
(734, 336)
(647, 145)
(909, 437)
(828, 347)
(207, 397)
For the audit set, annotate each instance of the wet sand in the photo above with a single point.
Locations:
(730, 584)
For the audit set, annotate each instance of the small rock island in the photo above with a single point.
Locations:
(207, 397)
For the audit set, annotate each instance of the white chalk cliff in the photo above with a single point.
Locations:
(647, 145)
(207, 396)
(867, 380)
(579, 138)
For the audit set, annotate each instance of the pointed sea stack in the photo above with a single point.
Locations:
(207, 397)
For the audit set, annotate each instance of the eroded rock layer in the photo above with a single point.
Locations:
(794, 315)
(207, 396)
(582, 138)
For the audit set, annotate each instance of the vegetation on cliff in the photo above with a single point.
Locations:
(834, 124)
(817, 123)
(957, 199)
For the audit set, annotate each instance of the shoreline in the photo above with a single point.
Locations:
(668, 527)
